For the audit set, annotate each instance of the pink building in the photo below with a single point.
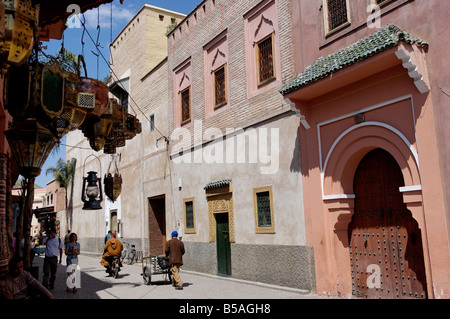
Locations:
(372, 95)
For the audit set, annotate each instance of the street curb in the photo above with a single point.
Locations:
(254, 283)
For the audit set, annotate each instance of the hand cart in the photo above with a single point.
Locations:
(156, 265)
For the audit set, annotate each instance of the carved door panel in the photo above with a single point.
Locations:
(386, 252)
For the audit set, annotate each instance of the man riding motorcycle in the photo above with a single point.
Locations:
(113, 247)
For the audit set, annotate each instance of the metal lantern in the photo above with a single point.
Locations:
(97, 130)
(113, 185)
(20, 21)
(51, 92)
(30, 145)
(92, 195)
(92, 94)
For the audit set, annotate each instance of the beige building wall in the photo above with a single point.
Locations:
(138, 54)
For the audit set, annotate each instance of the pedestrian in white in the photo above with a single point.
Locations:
(54, 246)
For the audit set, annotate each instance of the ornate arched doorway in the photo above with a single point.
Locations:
(386, 253)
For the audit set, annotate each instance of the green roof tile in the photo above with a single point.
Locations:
(217, 184)
(379, 41)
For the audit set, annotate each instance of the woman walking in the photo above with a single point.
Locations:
(72, 251)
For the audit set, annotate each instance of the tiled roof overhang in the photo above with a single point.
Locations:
(217, 184)
(382, 40)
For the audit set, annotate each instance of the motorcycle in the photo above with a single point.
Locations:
(114, 267)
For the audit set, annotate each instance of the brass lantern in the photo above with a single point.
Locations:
(97, 130)
(92, 93)
(113, 185)
(30, 145)
(92, 195)
(20, 21)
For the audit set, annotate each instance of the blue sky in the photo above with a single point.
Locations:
(97, 68)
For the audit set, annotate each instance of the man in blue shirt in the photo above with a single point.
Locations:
(54, 246)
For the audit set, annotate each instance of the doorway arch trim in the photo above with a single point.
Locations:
(348, 131)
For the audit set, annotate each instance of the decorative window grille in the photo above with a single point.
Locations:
(337, 13)
(265, 59)
(189, 216)
(189, 209)
(264, 209)
(220, 87)
(185, 106)
(86, 100)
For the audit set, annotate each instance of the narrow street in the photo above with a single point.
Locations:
(96, 284)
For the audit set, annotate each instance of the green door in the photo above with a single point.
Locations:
(223, 245)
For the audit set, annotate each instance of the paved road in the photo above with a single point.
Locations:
(96, 284)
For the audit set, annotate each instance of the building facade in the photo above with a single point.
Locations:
(139, 82)
(235, 161)
(371, 93)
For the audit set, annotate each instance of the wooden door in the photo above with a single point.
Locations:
(157, 225)
(223, 244)
(386, 252)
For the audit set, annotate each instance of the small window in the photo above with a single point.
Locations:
(220, 87)
(185, 106)
(161, 18)
(263, 203)
(189, 216)
(266, 66)
(336, 14)
(152, 123)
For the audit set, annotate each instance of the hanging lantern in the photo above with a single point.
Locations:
(34, 90)
(113, 183)
(52, 92)
(30, 145)
(92, 94)
(97, 131)
(93, 192)
(132, 126)
(113, 186)
(20, 22)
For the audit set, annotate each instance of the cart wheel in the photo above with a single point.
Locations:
(147, 275)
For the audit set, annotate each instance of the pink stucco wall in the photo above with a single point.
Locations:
(405, 122)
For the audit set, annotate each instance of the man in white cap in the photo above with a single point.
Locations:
(175, 251)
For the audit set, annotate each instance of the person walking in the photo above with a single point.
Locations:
(72, 251)
(54, 246)
(175, 251)
(108, 236)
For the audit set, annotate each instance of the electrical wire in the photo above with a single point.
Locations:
(118, 81)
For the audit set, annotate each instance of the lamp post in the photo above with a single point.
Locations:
(30, 145)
